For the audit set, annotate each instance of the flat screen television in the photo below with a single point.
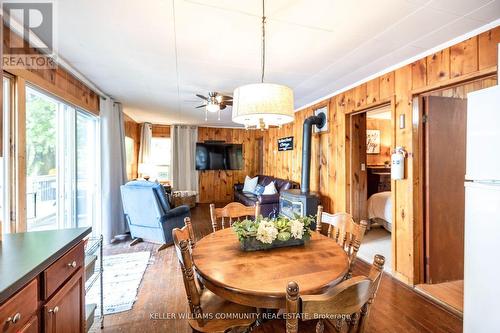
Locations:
(219, 156)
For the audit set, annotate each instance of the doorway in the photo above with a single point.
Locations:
(371, 133)
(443, 120)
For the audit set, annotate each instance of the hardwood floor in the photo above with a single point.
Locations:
(397, 308)
(451, 293)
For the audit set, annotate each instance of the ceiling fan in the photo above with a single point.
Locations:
(214, 102)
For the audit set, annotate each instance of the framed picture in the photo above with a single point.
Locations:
(372, 141)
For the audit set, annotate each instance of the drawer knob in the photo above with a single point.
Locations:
(72, 264)
(14, 319)
(54, 310)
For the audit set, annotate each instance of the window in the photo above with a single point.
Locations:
(62, 159)
(160, 158)
(129, 154)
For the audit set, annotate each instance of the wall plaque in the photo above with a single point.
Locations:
(285, 144)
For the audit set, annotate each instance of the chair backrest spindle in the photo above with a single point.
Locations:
(233, 211)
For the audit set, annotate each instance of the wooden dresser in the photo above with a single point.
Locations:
(42, 286)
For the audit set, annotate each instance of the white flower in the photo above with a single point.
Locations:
(297, 229)
(266, 232)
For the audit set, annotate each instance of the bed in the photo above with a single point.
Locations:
(380, 209)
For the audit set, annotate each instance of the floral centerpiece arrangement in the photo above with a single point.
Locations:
(265, 233)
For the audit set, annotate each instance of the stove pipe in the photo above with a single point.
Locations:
(319, 121)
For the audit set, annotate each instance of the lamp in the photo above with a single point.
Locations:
(212, 107)
(261, 105)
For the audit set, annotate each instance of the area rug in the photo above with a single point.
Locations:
(123, 274)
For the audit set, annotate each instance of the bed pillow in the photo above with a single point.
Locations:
(250, 184)
(259, 189)
(270, 189)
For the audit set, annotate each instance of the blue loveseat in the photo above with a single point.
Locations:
(148, 212)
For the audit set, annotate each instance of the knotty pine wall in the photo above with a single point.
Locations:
(217, 185)
(473, 58)
(161, 131)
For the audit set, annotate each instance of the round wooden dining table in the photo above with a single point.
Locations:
(259, 278)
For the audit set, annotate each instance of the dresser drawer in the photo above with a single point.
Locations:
(62, 270)
(19, 309)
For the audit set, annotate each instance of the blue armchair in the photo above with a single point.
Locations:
(148, 212)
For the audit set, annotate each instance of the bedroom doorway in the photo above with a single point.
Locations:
(371, 133)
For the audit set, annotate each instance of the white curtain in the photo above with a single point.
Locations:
(184, 174)
(145, 146)
(113, 169)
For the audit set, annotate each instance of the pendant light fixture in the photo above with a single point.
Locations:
(262, 105)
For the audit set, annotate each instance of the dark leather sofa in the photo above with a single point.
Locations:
(269, 204)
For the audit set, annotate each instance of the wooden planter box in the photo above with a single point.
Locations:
(252, 244)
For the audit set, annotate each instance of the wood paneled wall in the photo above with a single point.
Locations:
(133, 131)
(56, 81)
(161, 131)
(217, 185)
(473, 58)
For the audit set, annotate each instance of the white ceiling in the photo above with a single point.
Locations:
(154, 55)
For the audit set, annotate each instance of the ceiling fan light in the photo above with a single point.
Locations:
(212, 107)
(269, 103)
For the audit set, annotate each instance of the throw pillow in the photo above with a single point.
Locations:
(250, 184)
(259, 189)
(270, 189)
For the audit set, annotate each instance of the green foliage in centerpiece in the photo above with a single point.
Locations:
(264, 233)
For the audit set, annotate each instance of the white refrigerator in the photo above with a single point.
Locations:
(482, 213)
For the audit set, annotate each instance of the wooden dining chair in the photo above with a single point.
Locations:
(209, 312)
(189, 226)
(343, 308)
(233, 211)
(347, 233)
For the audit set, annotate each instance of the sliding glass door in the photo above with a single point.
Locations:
(42, 148)
(62, 149)
(87, 175)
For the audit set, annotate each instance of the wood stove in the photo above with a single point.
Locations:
(294, 202)
(302, 201)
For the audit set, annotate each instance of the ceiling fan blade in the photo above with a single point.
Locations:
(202, 97)
(200, 106)
(228, 103)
